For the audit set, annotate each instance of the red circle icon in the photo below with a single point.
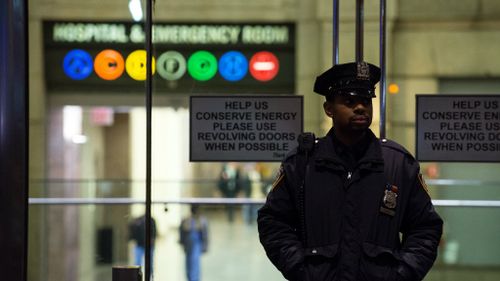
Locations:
(109, 64)
(264, 66)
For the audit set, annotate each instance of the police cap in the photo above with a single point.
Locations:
(354, 78)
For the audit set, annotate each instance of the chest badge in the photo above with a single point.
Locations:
(389, 202)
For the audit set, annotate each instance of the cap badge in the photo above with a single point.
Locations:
(363, 71)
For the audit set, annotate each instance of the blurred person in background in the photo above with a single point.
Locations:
(230, 185)
(193, 233)
(137, 233)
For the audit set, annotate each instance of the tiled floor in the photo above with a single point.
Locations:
(234, 253)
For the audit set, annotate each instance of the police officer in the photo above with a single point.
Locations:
(349, 206)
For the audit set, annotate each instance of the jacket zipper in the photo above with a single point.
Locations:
(349, 175)
(347, 181)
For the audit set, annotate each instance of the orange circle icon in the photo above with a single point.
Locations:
(109, 64)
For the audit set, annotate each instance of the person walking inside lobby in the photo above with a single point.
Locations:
(137, 233)
(348, 206)
(193, 233)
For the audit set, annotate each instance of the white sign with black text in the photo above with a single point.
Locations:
(244, 128)
(458, 128)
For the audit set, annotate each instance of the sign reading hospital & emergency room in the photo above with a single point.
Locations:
(222, 58)
(458, 128)
(244, 128)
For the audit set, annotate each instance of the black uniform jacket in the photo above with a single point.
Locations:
(372, 222)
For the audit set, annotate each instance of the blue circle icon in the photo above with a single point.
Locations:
(78, 64)
(233, 66)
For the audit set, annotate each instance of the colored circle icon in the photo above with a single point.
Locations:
(233, 66)
(78, 64)
(171, 65)
(264, 66)
(135, 65)
(109, 64)
(202, 65)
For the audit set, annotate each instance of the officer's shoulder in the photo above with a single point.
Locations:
(291, 154)
(390, 146)
(306, 143)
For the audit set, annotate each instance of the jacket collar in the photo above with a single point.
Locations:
(327, 155)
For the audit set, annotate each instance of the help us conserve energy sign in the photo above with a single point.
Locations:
(244, 128)
(458, 128)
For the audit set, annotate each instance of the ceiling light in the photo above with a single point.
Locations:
(135, 9)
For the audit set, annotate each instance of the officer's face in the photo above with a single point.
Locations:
(350, 113)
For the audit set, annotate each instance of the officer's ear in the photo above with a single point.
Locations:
(328, 107)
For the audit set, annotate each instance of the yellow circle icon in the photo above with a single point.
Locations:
(135, 65)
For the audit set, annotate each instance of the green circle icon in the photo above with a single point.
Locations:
(202, 65)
